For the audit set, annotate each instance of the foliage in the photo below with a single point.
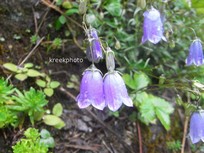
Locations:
(54, 119)
(5, 91)
(30, 102)
(31, 143)
(174, 145)
(28, 70)
(17, 105)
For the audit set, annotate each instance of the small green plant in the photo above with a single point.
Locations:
(31, 143)
(5, 91)
(22, 73)
(174, 146)
(54, 118)
(29, 102)
(34, 39)
(48, 85)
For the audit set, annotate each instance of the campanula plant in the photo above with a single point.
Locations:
(195, 53)
(197, 126)
(152, 27)
(91, 89)
(114, 87)
(94, 51)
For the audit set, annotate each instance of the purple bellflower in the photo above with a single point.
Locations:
(195, 53)
(115, 91)
(94, 51)
(152, 27)
(197, 126)
(91, 89)
(114, 87)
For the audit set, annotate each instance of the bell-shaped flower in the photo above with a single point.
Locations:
(197, 126)
(91, 90)
(195, 53)
(152, 27)
(115, 91)
(94, 50)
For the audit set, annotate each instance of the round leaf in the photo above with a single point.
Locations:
(54, 84)
(21, 77)
(48, 91)
(40, 83)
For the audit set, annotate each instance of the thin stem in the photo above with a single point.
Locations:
(184, 134)
(139, 137)
(193, 32)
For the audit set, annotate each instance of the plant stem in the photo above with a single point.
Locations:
(184, 134)
(139, 137)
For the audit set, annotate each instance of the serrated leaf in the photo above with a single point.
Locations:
(72, 11)
(40, 83)
(57, 109)
(62, 19)
(49, 92)
(152, 107)
(10, 66)
(147, 112)
(138, 81)
(164, 118)
(33, 73)
(54, 84)
(21, 77)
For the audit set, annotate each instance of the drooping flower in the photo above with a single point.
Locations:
(94, 51)
(195, 53)
(197, 127)
(152, 27)
(91, 90)
(115, 91)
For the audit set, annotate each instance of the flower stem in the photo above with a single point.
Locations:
(139, 137)
(184, 134)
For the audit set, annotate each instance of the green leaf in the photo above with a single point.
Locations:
(21, 76)
(138, 81)
(33, 73)
(53, 120)
(49, 91)
(40, 83)
(93, 20)
(54, 84)
(164, 118)
(114, 8)
(72, 11)
(57, 109)
(62, 19)
(152, 107)
(67, 4)
(10, 66)
(49, 142)
(197, 3)
(28, 65)
(45, 133)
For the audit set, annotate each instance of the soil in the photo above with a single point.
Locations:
(87, 130)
